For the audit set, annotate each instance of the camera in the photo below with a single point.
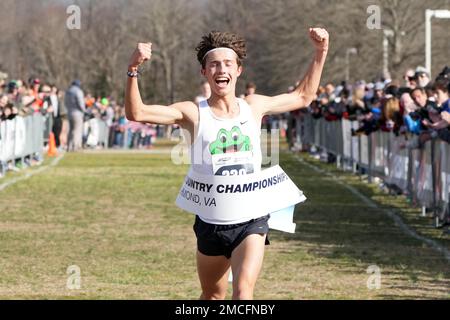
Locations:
(445, 73)
(420, 114)
(432, 107)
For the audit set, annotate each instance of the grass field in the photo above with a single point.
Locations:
(113, 215)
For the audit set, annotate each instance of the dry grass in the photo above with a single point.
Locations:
(114, 216)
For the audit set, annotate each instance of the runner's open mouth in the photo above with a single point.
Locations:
(222, 82)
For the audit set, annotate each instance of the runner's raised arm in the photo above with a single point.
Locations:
(136, 110)
(303, 95)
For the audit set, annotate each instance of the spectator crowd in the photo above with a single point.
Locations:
(22, 98)
(417, 105)
(77, 120)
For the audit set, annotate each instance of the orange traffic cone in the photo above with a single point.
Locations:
(51, 145)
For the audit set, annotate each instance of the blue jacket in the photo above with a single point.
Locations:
(413, 126)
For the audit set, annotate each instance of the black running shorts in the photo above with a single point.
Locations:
(221, 240)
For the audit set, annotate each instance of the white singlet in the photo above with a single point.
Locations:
(226, 146)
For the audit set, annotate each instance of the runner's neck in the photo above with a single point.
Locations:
(224, 106)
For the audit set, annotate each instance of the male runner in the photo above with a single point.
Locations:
(226, 125)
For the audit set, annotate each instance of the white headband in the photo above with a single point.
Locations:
(215, 49)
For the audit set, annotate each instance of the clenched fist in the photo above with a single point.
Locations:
(142, 53)
(320, 38)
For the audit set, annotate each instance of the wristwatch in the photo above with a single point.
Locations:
(133, 74)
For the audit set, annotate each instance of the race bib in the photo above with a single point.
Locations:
(233, 164)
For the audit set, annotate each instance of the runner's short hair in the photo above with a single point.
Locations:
(216, 39)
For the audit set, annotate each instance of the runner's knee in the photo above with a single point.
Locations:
(243, 288)
(243, 293)
(213, 294)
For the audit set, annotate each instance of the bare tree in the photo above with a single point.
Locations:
(172, 27)
(36, 42)
(407, 21)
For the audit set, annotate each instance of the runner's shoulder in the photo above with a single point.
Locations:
(189, 110)
(256, 102)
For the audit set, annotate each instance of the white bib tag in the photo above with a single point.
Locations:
(237, 197)
(232, 164)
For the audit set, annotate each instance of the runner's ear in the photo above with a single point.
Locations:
(240, 70)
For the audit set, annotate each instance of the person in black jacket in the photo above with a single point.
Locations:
(444, 134)
(59, 113)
